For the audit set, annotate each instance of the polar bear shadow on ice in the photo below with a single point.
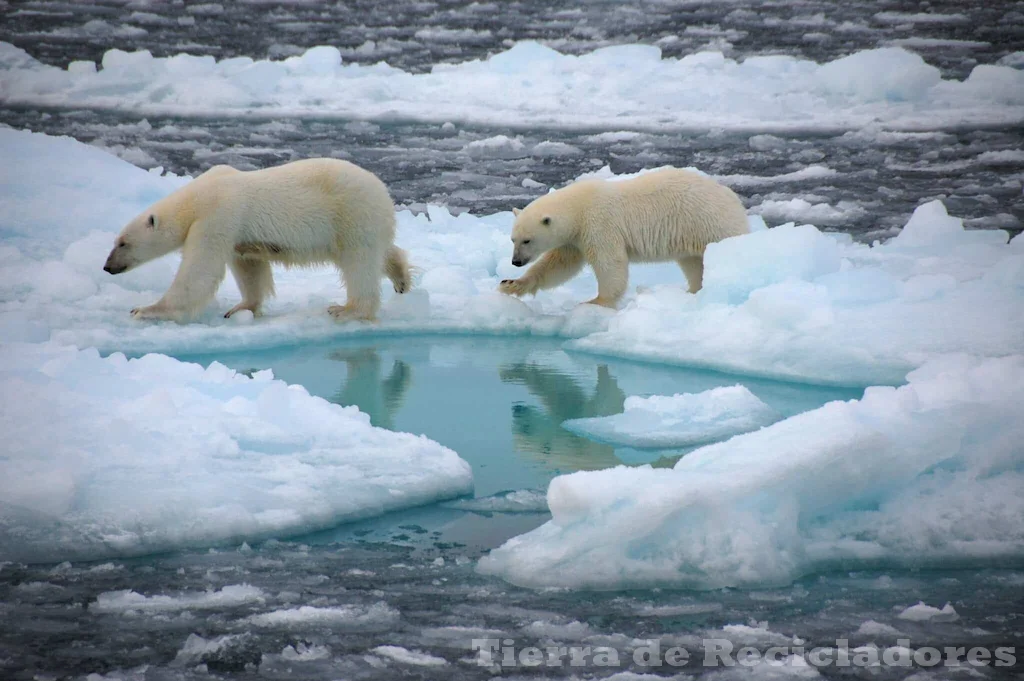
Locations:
(309, 212)
(664, 215)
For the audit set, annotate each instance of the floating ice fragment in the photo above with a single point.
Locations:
(374, 617)
(131, 601)
(888, 73)
(679, 420)
(411, 657)
(926, 613)
(517, 501)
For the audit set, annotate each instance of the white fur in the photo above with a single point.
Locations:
(666, 215)
(302, 213)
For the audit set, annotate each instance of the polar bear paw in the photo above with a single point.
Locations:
(514, 287)
(155, 311)
(345, 313)
(602, 302)
(251, 307)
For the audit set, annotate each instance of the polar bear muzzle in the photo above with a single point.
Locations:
(115, 262)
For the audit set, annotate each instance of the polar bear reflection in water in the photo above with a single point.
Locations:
(538, 431)
(378, 379)
(366, 386)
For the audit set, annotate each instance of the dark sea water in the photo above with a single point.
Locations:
(414, 36)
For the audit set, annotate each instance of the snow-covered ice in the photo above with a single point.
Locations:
(624, 86)
(107, 456)
(679, 420)
(797, 304)
(927, 474)
(790, 302)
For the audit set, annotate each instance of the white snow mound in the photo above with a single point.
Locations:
(928, 474)
(116, 457)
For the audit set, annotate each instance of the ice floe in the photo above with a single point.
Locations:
(926, 474)
(624, 86)
(679, 420)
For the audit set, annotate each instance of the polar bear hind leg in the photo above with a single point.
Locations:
(256, 282)
(361, 272)
(693, 268)
(396, 267)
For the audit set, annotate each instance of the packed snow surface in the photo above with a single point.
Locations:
(679, 420)
(624, 86)
(113, 457)
(927, 474)
(791, 302)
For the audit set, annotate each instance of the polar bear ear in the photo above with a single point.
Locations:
(516, 211)
(151, 222)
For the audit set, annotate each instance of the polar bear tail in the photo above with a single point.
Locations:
(396, 267)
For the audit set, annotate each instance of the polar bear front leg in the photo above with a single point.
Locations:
(202, 269)
(612, 272)
(554, 268)
(255, 280)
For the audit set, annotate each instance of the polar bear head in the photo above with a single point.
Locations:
(554, 220)
(157, 231)
(539, 227)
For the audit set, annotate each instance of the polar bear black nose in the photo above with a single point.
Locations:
(517, 263)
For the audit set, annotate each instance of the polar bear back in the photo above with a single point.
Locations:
(671, 213)
(302, 212)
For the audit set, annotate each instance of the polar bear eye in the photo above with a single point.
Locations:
(152, 220)
(546, 221)
(526, 241)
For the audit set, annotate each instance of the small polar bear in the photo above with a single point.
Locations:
(308, 212)
(660, 216)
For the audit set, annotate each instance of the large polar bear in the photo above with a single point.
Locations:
(659, 216)
(308, 212)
